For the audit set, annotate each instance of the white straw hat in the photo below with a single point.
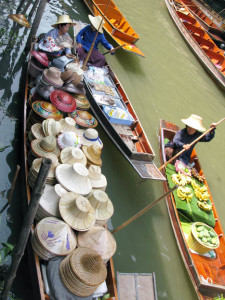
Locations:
(71, 155)
(99, 239)
(68, 139)
(74, 178)
(68, 124)
(103, 206)
(51, 127)
(90, 137)
(96, 21)
(37, 131)
(63, 19)
(98, 180)
(77, 211)
(40, 147)
(195, 122)
(75, 68)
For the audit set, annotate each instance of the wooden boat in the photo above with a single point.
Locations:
(200, 42)
(199, 267)
(116, 25)
(36, 265)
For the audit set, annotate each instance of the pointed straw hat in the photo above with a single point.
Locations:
(74, 178)
(195, 122)
(93, 154)
(40, 147)
(20, 19)
(77, 211)
(96, 22)
(73, 155)
(68, 124)
(82, 271)
(103, 206)
(98, 180)
(99, 239)
(63, 19)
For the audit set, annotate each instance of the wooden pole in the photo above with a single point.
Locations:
(141, 212)
(25, 231)
(195, 141)
(115, 49)
(93, 43)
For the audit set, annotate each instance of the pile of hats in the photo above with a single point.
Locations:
(81, 101)
(39, 61)
(73, 80)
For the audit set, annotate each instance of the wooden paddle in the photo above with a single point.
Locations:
(195, 141)
(141, 212)
(114, 49)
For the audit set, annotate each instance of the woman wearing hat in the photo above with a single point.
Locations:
(60, 33)
(184, 137)
(85, 38)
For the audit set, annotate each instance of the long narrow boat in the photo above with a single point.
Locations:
(116, 25)
(206, 50)
(206, 273)
(36, 265)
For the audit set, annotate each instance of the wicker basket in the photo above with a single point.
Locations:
(195, 244)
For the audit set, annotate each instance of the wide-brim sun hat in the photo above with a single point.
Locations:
(74, 178)
(40, 147)
(75, 68)
(194, 122)
(46, 110)
(51, 127)
(73, 155)
(37, 131)
(63, 19)
(98, 180)
(36, 165)
(93, 154)
(99, 239)
(83, 271)
(77, 211)
(97, 22)
(68, 139)
(81, 101)
(53, 76)
(90, 137)
(68, 124)
(63, 101)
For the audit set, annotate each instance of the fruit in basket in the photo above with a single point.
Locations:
(206, 235)
(184, 193)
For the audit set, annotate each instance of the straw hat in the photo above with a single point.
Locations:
(99, 239)
(96, 21)
(74, 67)
(66, 75)
(77, 211)
(81, 101)
(74, 178)
(63, 19)
(53, 76)
(68, 124)
(46, 145)
(90, 137)
(48, 45)
(98, 180)
(63, 101)
(103, 206)
(68, 139)
(36, 131)
(93, 154)
(82, 271)
(51, 127)
(45, 110)
(84, 119)
(73, 155)
(20, 19)
(195, 122)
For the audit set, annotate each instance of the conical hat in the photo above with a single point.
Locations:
(63, 19)
(93, 153)
(102, 204)
(20, 19)
(77, 211)
(40, 147)
(68, 124)
(74, 178)
(68, 139)
(73, 155)
(195, 122)
(82, 271)
(98, 180)
(99, 239)
(56, 236)
(97, 22)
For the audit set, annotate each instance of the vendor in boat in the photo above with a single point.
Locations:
(85, 38)
(184, 137)
(60, 34)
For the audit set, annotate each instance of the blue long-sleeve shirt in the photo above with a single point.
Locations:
(182, 138)
(86, 36)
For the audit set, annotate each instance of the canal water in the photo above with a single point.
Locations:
(170, 84)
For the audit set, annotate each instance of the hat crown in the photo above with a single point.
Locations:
(48, 143)
(91, 134)
(91, 263)
(77, 153)
(94, 151)
(63, 19)
(69, 139)
(94, 171)
(80, 169)
(53, 73)
(83, 204)
(194, 121)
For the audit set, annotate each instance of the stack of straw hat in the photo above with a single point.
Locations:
(53, 237)
(82, 102)
(84, 119)
(77, 211)
(93, 154)
(49, 202)
(71, 155)
(98, 180)
(36, 132)
(83, 271)
(99, 239)
(51, 127)
(68, 124)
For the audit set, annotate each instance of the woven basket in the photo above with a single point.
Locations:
(195, 244)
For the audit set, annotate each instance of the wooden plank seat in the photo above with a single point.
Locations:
(193, 29)
(203, 42)
(186, 17)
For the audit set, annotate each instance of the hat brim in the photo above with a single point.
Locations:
(94, 23)
(90, 158)
(98, 183)
(191, 124)
(38, 151)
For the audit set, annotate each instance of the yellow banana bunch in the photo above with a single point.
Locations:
(204, 206)
(200, 192)
(184, 193)
(180, 179)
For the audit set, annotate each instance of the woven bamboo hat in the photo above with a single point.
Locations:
(68, 139)
(53, 237)
(99, 239)
(84, 119)
(93, 154)
(82, 271)
(63, 19)
(195, 122)
(103, 206)
(40, 147)
(73, 155)
(90, 137)
(98, 180)
(51, 127)
(74, 178)
(96, 22)
(20, 19)
(36, 131)
(77, 211)
(68, 124)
